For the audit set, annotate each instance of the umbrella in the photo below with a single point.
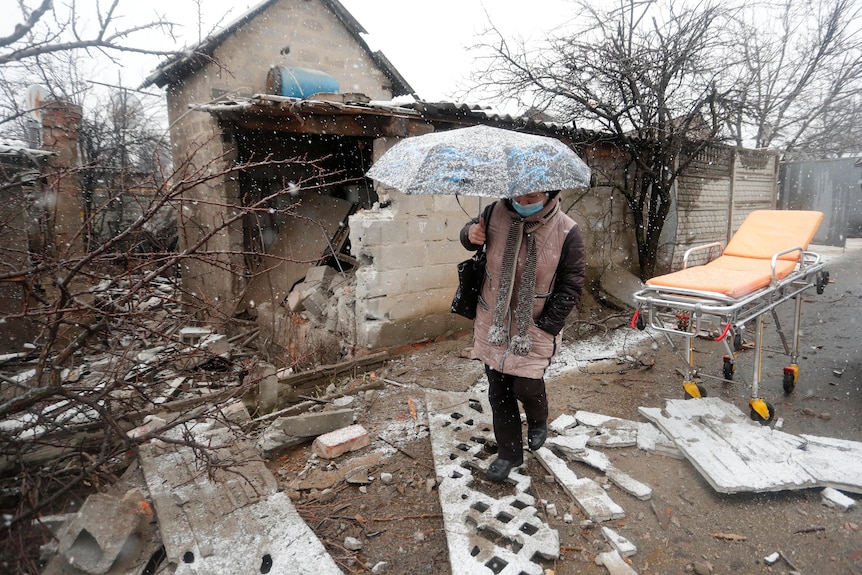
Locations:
(480, 161)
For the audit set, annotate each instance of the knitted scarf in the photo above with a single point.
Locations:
(518, 231)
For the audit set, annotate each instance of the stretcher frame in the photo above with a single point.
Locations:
(677, 311)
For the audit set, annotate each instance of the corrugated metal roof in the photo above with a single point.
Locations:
(263, 105)
(24, 152)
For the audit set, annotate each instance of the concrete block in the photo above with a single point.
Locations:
(236, 412)
(446, 251)
(431, 277)
(320, 275)
(193, 335)
(335, 443)
(374, 283)
(98, 534)
(316, 304)
(314, 424)
(294, 300)
(620, 285)
(267, 386)
(397, 256)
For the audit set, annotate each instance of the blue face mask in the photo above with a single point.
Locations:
(529, 209)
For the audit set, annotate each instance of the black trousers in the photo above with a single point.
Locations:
(504, 393)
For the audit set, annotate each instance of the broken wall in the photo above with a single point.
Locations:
(407, 273)
(299, 33)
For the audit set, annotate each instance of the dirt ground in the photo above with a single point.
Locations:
(686, 527)
(389, 502)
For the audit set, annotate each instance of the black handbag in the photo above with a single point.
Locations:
(471, 274)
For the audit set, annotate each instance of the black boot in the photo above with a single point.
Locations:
(500, 468)
(536, 435)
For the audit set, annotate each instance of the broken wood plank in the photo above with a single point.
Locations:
(296, 384)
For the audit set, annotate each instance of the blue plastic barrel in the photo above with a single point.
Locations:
(296, 82)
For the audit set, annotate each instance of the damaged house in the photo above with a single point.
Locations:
(325, 264)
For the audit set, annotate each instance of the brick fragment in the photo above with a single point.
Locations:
(331, 445)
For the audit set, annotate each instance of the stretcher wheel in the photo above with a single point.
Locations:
(737, 341)
(759, 418)
(791, 374)
(729, 368)
(789, 383)
(693, 390)
(822, 280)
(640, 323)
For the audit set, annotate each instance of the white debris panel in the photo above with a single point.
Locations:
(484, 534)
(215, 519)
(735, 454)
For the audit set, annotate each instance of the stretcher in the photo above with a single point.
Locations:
(765, 264)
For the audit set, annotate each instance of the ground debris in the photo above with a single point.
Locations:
(729, 536)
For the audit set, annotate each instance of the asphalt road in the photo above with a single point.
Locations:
(827, 399)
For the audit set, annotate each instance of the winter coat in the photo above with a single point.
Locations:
(559, 284)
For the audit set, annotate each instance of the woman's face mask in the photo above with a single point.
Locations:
(531, 208)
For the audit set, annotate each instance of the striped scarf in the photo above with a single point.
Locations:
(518, 231)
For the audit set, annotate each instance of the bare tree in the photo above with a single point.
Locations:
(108, 348)
(644, 74)
(48, 28)
(799, 77)
(48, 41)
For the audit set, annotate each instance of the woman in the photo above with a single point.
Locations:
(533, 279)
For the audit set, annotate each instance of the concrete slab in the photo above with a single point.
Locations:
(735, 454)
(501, 536)
(574, 451)
(622, 545)
(620, 285)
(227, 518)
(615, 564)
(293, 430)
(834, 498)
(562, 423)
(594, 501)
(609, 431)
(629, 484)
(651, 438)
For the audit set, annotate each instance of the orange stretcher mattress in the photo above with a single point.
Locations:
(746, 264)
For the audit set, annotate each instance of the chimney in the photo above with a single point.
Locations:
(61, 122)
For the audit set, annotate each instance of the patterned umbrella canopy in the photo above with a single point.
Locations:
(480, 161)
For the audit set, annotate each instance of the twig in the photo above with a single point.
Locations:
(399, 518)
(393, 382)
(787, 560)
(812, 529)
(410, 455)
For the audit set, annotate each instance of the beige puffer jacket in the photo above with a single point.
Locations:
(549, 243)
